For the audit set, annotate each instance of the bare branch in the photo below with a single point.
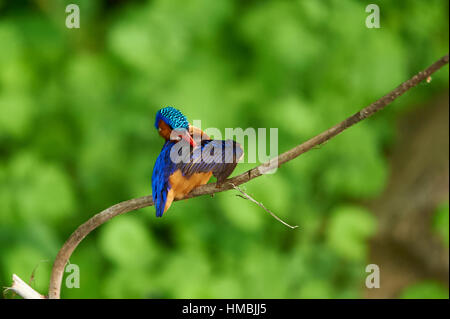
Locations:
(21, 288)
(208, 189)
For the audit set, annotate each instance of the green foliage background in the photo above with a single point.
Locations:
(76, 136)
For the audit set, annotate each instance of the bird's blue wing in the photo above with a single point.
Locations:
(162, 170)
(216, 156)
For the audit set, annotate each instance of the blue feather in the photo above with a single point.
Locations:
(164, 167)
(173, 117)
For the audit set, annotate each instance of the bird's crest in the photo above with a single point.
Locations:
(172, 117)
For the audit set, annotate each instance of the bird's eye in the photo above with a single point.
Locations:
(159, 129)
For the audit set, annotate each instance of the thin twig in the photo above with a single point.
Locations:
(136, 203)
(247, 196)
(33, 273)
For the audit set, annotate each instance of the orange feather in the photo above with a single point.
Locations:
(182, 185)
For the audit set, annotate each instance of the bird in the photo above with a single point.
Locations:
(188, 158)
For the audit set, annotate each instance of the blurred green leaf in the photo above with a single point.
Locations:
(425, 290)
(16, 114)
(41, 191)
(316, 289)
(126, 242)
(441, 222)
(349, 228)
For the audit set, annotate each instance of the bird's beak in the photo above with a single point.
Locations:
(181, 134)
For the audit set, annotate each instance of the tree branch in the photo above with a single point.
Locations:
(137, 203)
(21, 288)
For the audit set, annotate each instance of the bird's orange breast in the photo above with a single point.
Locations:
(182, 185)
